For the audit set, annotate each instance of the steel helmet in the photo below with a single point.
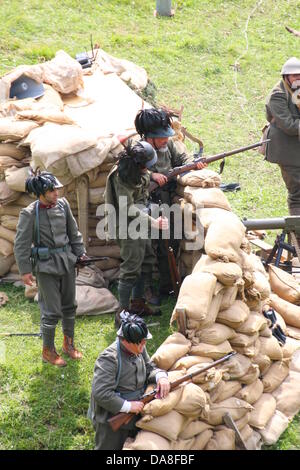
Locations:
(291, 66)
(40, 182)
(26, 87)
(149, 157)
(133, 328)
(153, 123)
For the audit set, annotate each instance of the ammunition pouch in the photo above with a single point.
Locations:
(44, 253)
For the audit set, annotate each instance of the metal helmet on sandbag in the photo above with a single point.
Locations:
(291, 67)
(153, 123)
(133, 328)
(39, 182)
(25, 87)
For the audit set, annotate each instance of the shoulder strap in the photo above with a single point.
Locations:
(37, 224)
(119, 363)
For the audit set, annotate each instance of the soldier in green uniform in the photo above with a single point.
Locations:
(127, 193)
(155, 127)
(48, 244)
(122, 372)
(283, 113)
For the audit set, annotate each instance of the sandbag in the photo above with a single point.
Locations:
(90, 276)
(289, 312)
(249, 351)
(225, 390)
(11, 209)
(291, 345)
(251, 375)
(204, 197)
(237, 408)
(44, 115)
(96, 195)
(215, 351)
(11, 150)
(287, 395)
(246, 432)
(254, 442)
(211, 377)
(7, 162)
(6, 248)
(174, 347)
(7, 234)
(202, 439)
(241, 340)
(278, 371)
(7, 195)
(159, 407)
(11, 129)
(226, 273)
(15, 178)
(252, 392)
(215, 334)
(235, 315)
(274, 428)
(192, 400)
(108, 264)
(284, 285)
(193, 429)
(261, 284)
(5, 264)
(94, 301)
(293, 332)
(8, 221)
(263, 410)
(222, 440)
(295, 361)
(241, 423)
(254, 324)
(146, 440)
(236, 366)
(213, 311)
(112, 251)
(204, 178)
(169, 425)
(50, 99)
(270, 347)
(63, 73)
(195, 295)
(229, 297)
(183, 444)
(99, 181)
(263, 361)
(188, 361)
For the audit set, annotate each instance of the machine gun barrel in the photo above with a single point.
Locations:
(265, 224)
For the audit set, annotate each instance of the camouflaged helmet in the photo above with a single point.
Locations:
(133, 328)
(153, 123)
(40, 182)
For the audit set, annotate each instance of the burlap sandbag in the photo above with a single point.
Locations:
(235, 315)
(11, 150)
(10, 209)
(194, 428)
(215, 351)
(222, 440)
(90, 276)
(246, 432)
(277, 373)
(112, 251)
(7, 234)
(9, 222)
(226, 273)
(213, 375)
(94, 301)
(99, 181)
(241, 340)
(7, 162)
(287, 395)
(96, 195)
(31, 291)
(263, 361)
(289, 312)
(50, 99)
(261, 284)
(215, 334)
(229, 297)
(284, 285)
(291, 345)
(111, 274)
(63, 73)
(241, 423)
(169, 425)
(237, 408)
(236, 366)
(254, 442)
(223, 240)
(263, 410)
(251, 375)
(270, 347)
(295, 362)
(158, 407)
(252, 392)
(15, 178)
(183, 444)
(192, 400)
(195, 295)
(146, 440)
(107, 264)
(274, 428)
(11, 129)
(44, 115)
(200, 178)
(225, 390)
(7, 195)
(6, 263)
(188, 361)
(174, 347)
(249, 351)
(213, 311)
(254, 324)
(6, 247)
(293, 332)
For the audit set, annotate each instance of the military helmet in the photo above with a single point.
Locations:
(40, 182)
(25, 87)
(291, 66)
(133, 328)
(153, 123)
(149, 156)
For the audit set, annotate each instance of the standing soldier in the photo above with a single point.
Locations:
(48, 244)
(127, 192)
(155, 126)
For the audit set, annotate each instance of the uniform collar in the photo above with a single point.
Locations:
(46, 206)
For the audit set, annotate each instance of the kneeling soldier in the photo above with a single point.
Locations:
(49, 244)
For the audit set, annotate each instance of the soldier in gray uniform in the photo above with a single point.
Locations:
(48, 244)
(127, 193)
(283, 113)
(122, 372)
(155, 127)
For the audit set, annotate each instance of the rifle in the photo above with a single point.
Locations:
(192, 166)
(86, 262)
(2, 335)
(119, 419)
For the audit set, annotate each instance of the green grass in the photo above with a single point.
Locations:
(197, 59)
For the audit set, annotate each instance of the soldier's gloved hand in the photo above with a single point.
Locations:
(201, 165)
(28, 279)
(159, 178)
(163, 386)
(136, 407)
(161, 223)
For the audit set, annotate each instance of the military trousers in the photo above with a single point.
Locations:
(138, 259)
(56, 297)
(291, 177)
(107, 439)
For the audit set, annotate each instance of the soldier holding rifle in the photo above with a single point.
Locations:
(49, 245)
(122, 372)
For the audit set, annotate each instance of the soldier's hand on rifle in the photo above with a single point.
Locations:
(163, 387)
(159, 178)
(201, 165)
(136, 407)
(82, 257)
(161, 223)
(28, 279)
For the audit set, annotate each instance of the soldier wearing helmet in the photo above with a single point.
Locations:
(48, 244)
(121, 374)
(155, 126)
(127, 192)
(283, 113)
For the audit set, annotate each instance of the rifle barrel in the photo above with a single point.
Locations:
(219, 156)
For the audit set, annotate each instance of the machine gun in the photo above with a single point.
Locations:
(290, 227)
(193, 166)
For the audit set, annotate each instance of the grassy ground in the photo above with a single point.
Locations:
(217, 58)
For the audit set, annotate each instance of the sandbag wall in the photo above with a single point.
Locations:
(223, 300)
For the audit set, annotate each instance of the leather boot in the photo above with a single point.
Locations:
(51, 356)
(140, 308)
(118, 318)
(69, 348)
(151, 297)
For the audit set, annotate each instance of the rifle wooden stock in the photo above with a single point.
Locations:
(175, 278)
(192, 166)
(120, 419)
(88, 261)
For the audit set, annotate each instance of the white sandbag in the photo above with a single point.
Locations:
(94, 301)
(63, 73)
(274, 428)
(204, 178)
(11, 150)
(11, 129)
(295, 362)
(291, 345)
(204, 197)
